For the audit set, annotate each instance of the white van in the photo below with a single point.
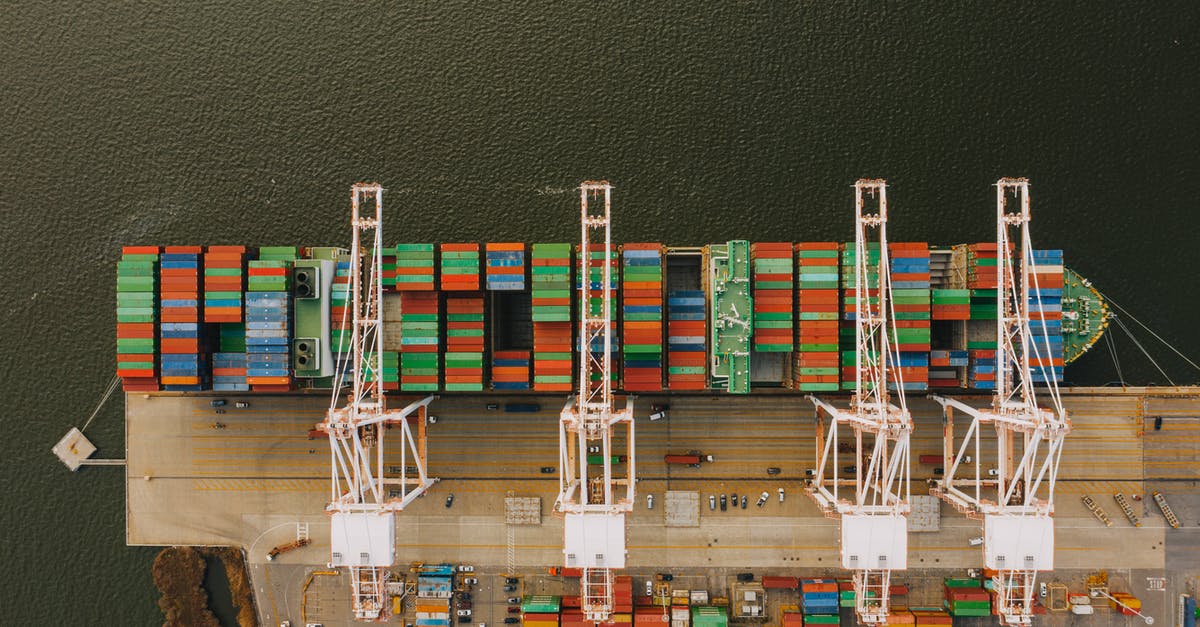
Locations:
(976, 541)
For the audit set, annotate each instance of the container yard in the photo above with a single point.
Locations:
(739, 502)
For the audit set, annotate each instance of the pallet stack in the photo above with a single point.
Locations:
(593, 263)
(506, 267)
(137, 317)
(460, 267)
(414, 268)
(224, 282)
(510, 370)
(687, 354)
(815, 362)
(910, 306)
(642, 317)
(268, 321)
(551, 291)
(464, 343)
(419, 340)
(183, 363)
(1045, 315)
(773, 285)
(849, 304)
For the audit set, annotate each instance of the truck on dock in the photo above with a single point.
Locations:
(691, 458)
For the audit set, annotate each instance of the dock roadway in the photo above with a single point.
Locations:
(249, 483)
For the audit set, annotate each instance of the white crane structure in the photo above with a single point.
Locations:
(1017, 503)
(874, 523)
(366, 490)
(594, 507)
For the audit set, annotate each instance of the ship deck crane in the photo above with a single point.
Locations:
(594, 507)
(874, 523)
(366, 490)
(1017, 505)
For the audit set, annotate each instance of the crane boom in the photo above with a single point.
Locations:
(874, 523)
(594, 507)
(366, 492)
(1017, 504)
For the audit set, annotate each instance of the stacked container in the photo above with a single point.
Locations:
(551, 290)
(341, 316)
(183, 363)
(951, 305)
(651, 616)
(464, 343)
(506, 267)
(419, 333)
(391, 369)
(793, 619)
(623, 595)
(137, 314)
(819, 601)
(849, 303)
(943, 366)
(510, 370)
(981, 372)
(641, 317)
(910, 312)
(1045, 315)
(981, 266)
(709, 616)
(773, 284)
(966, 597)
(540, 620)
(930, 618)
(268, 321)
(387, 272)
(687, 356)
(815, 362)
(594, 265)
(224, 281)
(460, 267)
(414, 268)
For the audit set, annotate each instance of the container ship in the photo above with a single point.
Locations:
(735, 317)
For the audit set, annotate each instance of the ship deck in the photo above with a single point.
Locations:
(249, 483)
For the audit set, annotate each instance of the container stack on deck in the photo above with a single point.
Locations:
(1045, 315)
(709, 616)
(419, 333)
(414, 268)
(910, 306)
(773, 283)
(819, 601)
(506, 266)
(183, 363)
(460, 267)
(341, 316)
(594, 264)
(982, 281)
(434, 589)
(224, 284)
(510, 370)
(687, 354)
(930, 617)
(849, 303)
(137, 316)
(268, 319)
(642, 317)
(464, 343)
(540, 610)
(387, 272)
(815, 362)
(551, 290)
(966, 597)
(623, 596)
(954, 306)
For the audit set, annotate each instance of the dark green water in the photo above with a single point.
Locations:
(207, 122)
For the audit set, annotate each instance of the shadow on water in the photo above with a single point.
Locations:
(220, 599)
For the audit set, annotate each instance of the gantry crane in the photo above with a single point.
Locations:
(594, 507)
(1018, 522)
(874, 520)
(366, 490)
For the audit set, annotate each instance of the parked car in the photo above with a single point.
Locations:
(724, 502)
(449, 500)
(463, 605)
(744, 577)
(547, 470)
(649, 588)
(649, 501)
(773, 470)
(1042, 590)
(593, 449)
(464, 612)
(743, 501)
(992, 472)
(241, 404)
(463, 568)
(712, 502)
(511, 620)
(666, 577)
(464, 596)
(658, 412)
(464, 619)
(809, 472)
(976, 541)
(512, 609)
(780, 495)
(511, 589)
(762, 499)
(220, 402)
(514, 600)
(512, 580)
(493, 406)
(432, 419)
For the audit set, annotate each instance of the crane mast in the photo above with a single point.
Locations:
(594, 507)
(365, 489)
(1017, 519)
(874, 523)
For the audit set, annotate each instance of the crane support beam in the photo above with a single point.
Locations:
(874, 519)
(1015, 500)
